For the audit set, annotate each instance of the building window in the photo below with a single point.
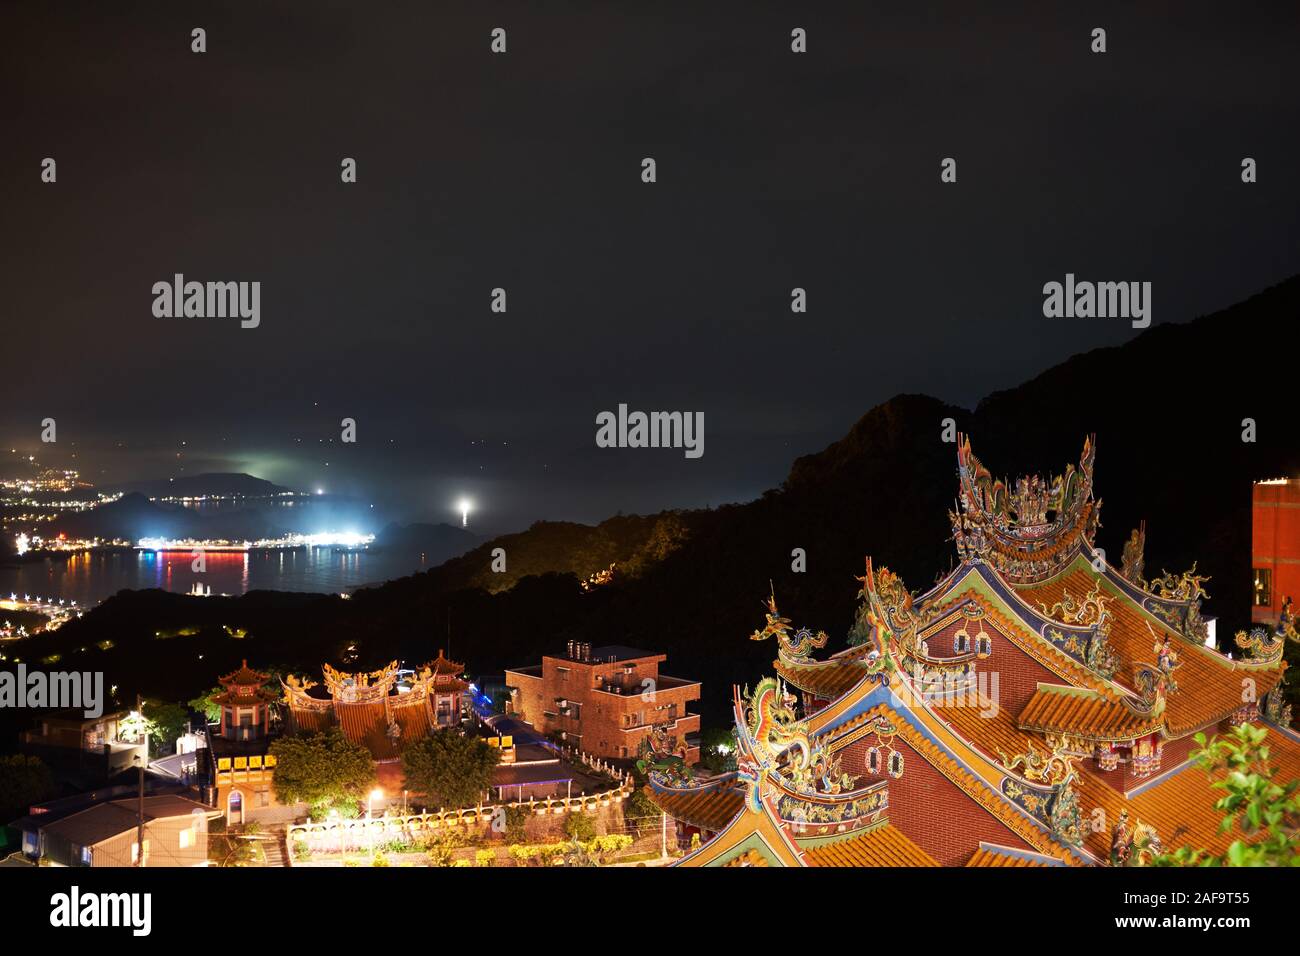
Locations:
(895, 764)
(187, 839)
(1263, 587)
(961, 642)
(983, 644)
(873, 760)
(87, 856)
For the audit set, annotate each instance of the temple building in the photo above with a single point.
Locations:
(1036, 707)
(606, 701)
(381, 710)
(237, 764)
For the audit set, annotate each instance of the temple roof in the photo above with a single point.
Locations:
(708, 807)
(884, 845)
(441, 665)
(1094, 714)
(1209, 684)
(991, 855)
(1180, 802)
(244, 675)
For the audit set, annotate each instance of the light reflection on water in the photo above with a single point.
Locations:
(88, 578)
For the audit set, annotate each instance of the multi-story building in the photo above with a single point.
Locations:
(1275, 547)
(606, 700)
(88, 746)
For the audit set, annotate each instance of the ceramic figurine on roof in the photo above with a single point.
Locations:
(1027, 534)
(796, 649)
(1133, 562)
(663, 759)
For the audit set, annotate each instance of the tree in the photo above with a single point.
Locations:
(321, 770)
(718, 749)
(24, 781)
(205, 705)
(580, 827)
(640, 812)
(1267, 813)
(450, 769)
(166, 722)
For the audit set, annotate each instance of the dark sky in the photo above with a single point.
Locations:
(523, 171)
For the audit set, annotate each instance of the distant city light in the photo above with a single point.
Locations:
(320, 491)
(464, 506)
(21, 543)
(325, 539)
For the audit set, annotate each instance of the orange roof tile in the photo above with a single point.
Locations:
(825, 679)
(1095, 714)
(881, 846)
(1209, 685)
(1180, 806)
(992, 856)
(710, 808)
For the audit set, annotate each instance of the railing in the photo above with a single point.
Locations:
(360, 833)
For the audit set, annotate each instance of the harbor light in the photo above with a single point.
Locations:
(464, 506)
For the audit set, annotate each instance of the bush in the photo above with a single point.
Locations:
(580, 827)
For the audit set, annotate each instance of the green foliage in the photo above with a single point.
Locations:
(516, 823)
(450, 769)
(24, 780)
(718, 749)
(205, 705)
(323, 770)
(485, 857)
(1266, 813)
(580, 826)
(640, 812)
(442, 847)
(161, 721)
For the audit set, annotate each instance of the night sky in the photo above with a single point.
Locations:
(522, 171)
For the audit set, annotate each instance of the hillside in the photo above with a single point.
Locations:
(1167, 410)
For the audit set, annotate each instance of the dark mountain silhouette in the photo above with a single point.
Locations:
(213, 483)
(435, 542)
(1167, 410)
(134, 516)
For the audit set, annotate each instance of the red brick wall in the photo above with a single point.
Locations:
(931, 810)
(1018, 673)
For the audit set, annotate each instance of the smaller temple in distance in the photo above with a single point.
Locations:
(241, 768)
(382, 710)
